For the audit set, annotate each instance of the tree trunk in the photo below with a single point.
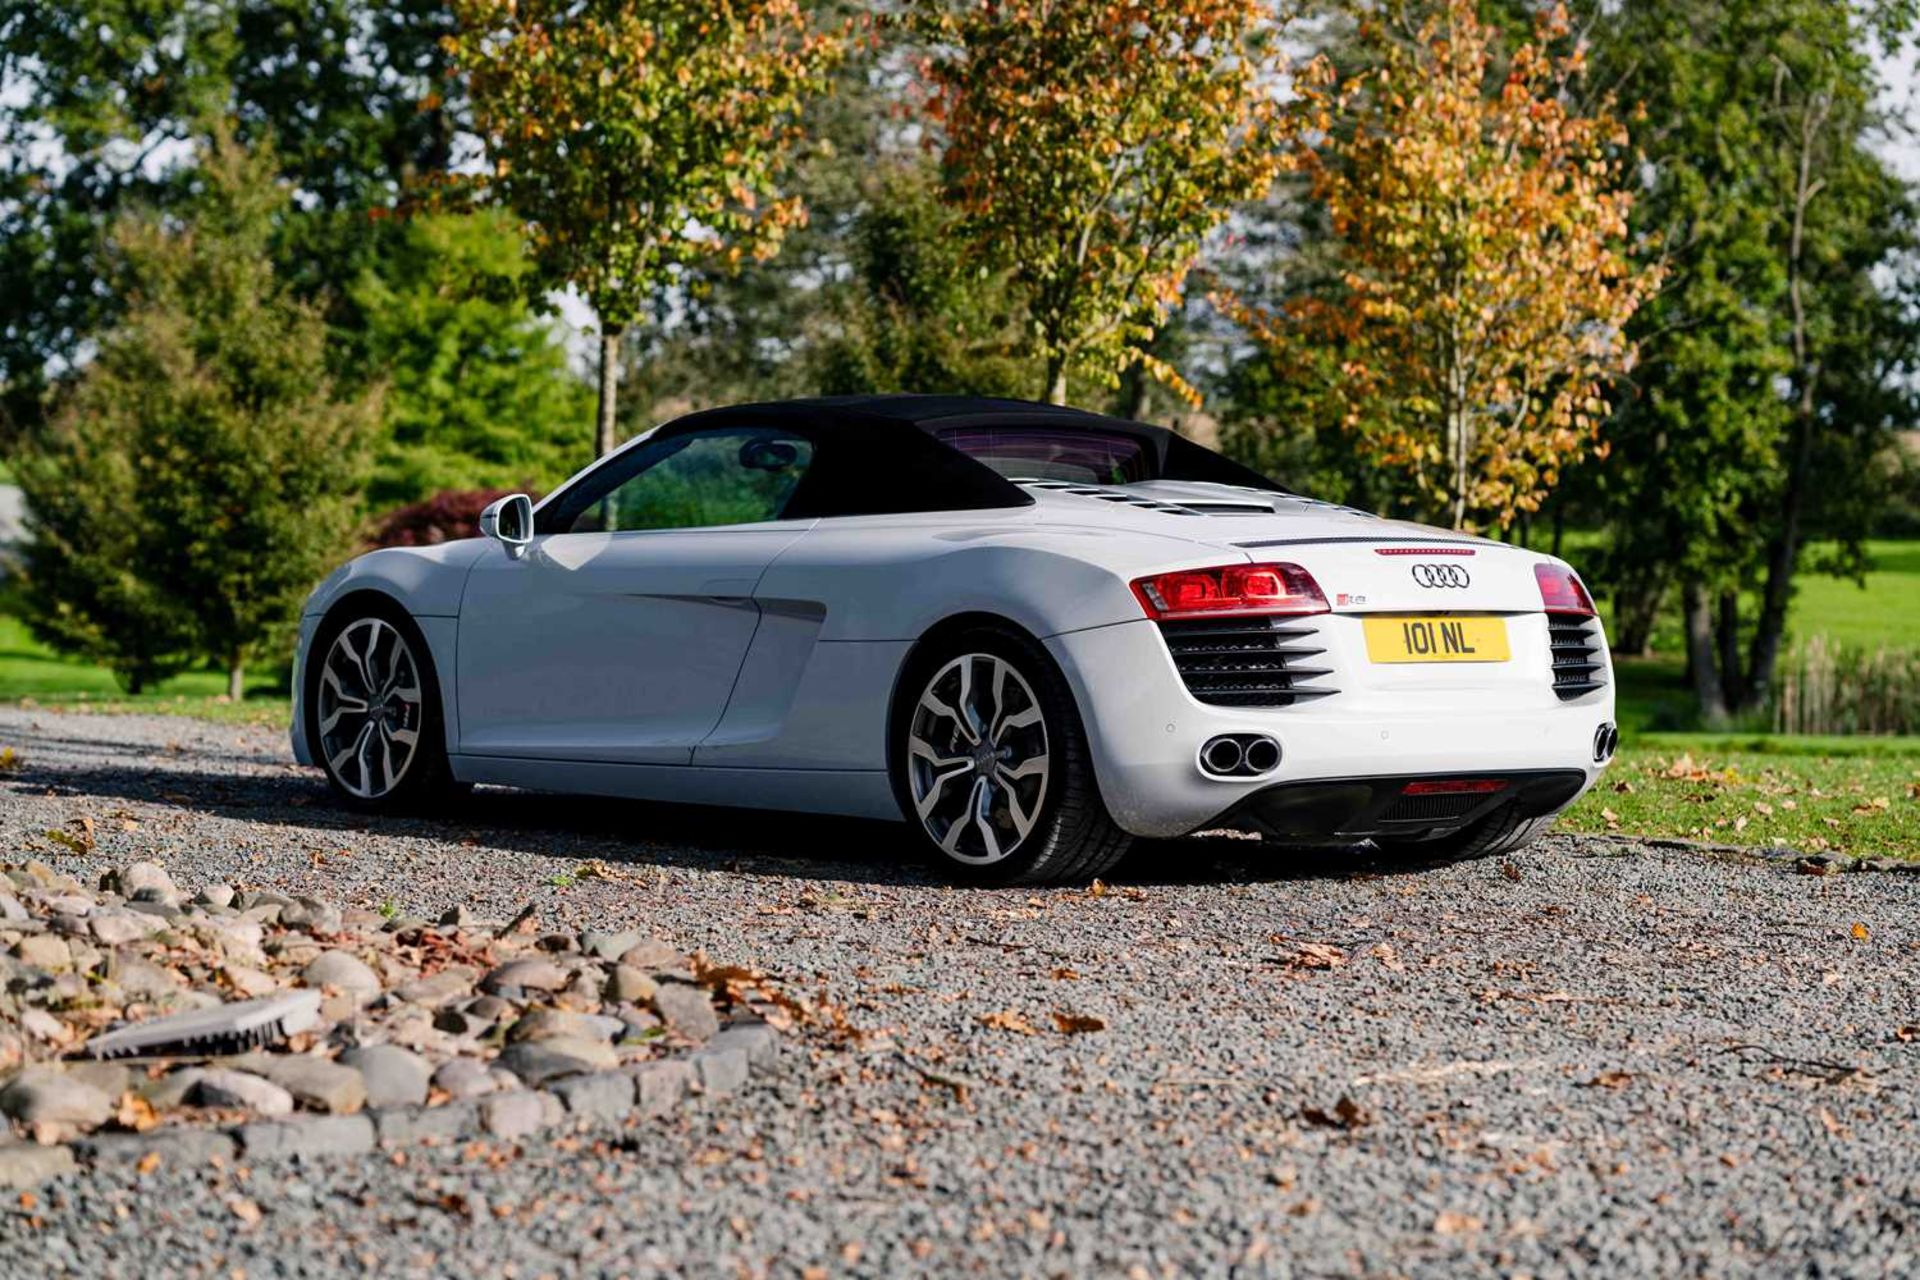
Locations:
(1137, 385)
(1783, 555)
(1700, 659)
(1727, 632)
(236, 677)
(603, 433)
(1457, 453)
(1636, 609)
(1056, 380)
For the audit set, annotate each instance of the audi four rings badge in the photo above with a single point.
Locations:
(1441, 575)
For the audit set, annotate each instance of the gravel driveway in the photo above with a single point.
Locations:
(1597, 1058)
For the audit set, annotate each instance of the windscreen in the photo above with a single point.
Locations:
(1047, 453)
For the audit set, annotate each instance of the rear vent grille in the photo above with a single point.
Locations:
(1577, 659)
(1440, 808)
(1110, 495)
(1247, 662)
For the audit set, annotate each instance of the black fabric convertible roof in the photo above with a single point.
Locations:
(867, 464)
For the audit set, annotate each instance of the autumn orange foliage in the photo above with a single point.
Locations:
(1476, 324)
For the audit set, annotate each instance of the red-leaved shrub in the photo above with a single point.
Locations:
(441, 518)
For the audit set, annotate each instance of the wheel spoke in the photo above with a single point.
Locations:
(1031, 716)
(1022, 813)
(939, 708)
(983, 793)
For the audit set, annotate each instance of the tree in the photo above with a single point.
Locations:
(105, 97)
(210, 406)
(1778, 355)
(479, 395)
(637, 139)
(1479, 224)
(1090, 146)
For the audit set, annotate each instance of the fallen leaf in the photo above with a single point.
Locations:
(1076, 1024)
(1906, 1035)
(1450, 1223)
(1008, 1020)
(147, 1163)
(9, 759)
(1859, 931)
(1610, 1080)
(1384, 953)
(1314, 955)
(245, 1210)
(1612, 819)
(1066, 975)
(1347, 1114)
(136, 1113)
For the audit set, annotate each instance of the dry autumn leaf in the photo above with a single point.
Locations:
(1008, 1020)
(1075, 1024)
(1610, 1080)
(1859, 932)
(1450, 1223)
(1346, 1114)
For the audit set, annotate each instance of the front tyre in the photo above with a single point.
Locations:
(373, 704)
(991, 767)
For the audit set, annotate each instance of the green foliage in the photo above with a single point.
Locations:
(479, 395)
(107, 91)
(1777, 356)
(232, 470)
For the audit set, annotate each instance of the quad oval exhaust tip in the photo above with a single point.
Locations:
(1606, 740)
(1239, 755)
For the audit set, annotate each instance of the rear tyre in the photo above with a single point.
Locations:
(373, 710)
(1502, 831)
(991, 767)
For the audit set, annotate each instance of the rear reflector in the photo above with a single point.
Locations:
(1235, 589)
(1454, 787)
(1561, 590)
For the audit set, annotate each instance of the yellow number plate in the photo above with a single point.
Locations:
(1437, 639)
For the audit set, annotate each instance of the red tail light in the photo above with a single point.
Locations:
(1561, 592)
(1230, 589)
(1454, 787)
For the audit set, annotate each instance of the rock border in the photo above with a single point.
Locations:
(642, 1090)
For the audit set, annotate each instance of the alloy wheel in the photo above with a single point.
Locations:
(371, 706)
(977, 758)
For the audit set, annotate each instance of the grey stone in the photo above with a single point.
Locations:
(171, 1090)
(538, 1061)
(760, 1041)
(490, 1008)
(438, 989)
(686, 1010)
(527, 975)
(144, 980)
(224, 1087)
(117, 928)
(110, 1078)
(404, 1126)
(628, 984)
(312, 915)
(26, 1164)
(315, 1083)
(659, 1086)
(308, 1136)
(393, 1076)
(179, 1148)
(605, 1095)
(215, 895)
(345, 971)
(721, 1071)
(148, 882)
(11, 912)
(654, 955)
(557, 943)
(463, 1078)
(550, 1024)
(47, 1096)
(513, 1115)
(44, 951)
(610, 946)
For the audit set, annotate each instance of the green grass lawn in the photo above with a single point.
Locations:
(30, 672)
(1854, 796)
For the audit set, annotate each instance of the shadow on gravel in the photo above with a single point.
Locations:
(572, 828)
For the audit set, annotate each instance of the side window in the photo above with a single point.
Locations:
(735, 475)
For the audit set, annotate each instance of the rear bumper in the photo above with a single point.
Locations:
(1348, 809)
(1144, 730)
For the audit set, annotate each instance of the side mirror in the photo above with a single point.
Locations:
(510, 520)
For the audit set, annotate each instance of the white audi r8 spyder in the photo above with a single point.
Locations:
(1030, 632)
